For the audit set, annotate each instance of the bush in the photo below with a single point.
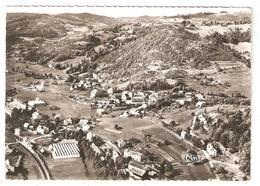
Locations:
(174, 74)
(54, 107)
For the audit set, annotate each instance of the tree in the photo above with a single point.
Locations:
(224, 139)
(116, 126)
(173, 123)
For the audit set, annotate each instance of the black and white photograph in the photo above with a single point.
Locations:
(159, 95)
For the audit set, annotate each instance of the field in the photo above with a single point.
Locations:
(131, 127)
(62, 169)
(182, 118)
(58, 96)
(136, 128)
(207, 30)
(240, 81)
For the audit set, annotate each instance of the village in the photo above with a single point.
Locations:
(108, 116)
(74, 137)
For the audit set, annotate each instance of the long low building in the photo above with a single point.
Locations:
(64, 150)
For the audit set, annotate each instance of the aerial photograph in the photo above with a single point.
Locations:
(145, 97)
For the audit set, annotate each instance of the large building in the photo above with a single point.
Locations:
(137, 170)
(137, 156)
(64, 150)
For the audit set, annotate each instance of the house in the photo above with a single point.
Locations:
(17, 131)
(89, 136)
(201, 155)
(199, 96)
(200, 104)
(8, 166)
(153, 98)
(125, 114)
(180, 101)
(26, 125)
(95, 148)
(115, 155)
(211, 150)
(84, 124)
(126, 97)
(137, 170)
(183, 134)
(67, 121)
(110, 91)
(40, 129)
(16, 104)
(136, 112)
(121, 143)
(98, 93)
(8, 150)
(180, 92)
(57, 116)
(138, 98)
(188, 94)
(200, 118)
(100, 111)
(36, 102)
(36, 115)
(137, 156)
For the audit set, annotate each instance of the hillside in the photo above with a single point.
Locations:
(165, 47)
(51, 26)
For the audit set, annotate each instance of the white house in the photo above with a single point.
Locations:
(84, 124)
(57, 116)
(36, 115)
(114, 155)
(180, 101)
(121, 143)
(89, 136)
(36, 102)
(138, 97)
(183, 134)
(40, 129)
(126, 96)
(153, 98)
(67, 121)
(199, 96)
(200, 104)
(95, 148)
(26, 125)
(100, 111)
(98, 93)
(188, 94)
(110, 91)
(17, 131)
(125, 114)
(137, 156)
(211, 150)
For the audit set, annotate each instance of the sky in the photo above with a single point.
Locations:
(124, 12)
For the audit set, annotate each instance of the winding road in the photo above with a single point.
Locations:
(44, 170)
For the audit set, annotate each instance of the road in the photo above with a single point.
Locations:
(44, 170)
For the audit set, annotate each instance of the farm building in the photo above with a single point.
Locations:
(137, 156)
(36, 102)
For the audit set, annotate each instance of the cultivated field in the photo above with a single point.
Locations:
(62, 169)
